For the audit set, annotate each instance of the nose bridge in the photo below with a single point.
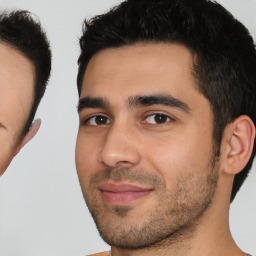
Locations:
(120, 146)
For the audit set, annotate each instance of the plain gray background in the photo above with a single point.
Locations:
(42, 211)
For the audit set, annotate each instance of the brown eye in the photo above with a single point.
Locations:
(157, 119)
(98, 120)
(160, 118)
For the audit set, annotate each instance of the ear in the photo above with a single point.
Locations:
(239, 140)
(29, 136)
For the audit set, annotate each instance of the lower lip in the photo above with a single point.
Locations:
(123, 198)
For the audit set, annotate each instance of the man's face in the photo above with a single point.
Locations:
(144, 149)
(16, 96)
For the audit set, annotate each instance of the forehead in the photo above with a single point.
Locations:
(16, 87)
(138, 69)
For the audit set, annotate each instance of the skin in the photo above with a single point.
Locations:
(16, 97)
(166, 150)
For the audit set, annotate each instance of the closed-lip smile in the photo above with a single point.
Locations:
(122, 193)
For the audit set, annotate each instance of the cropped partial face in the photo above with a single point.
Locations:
(16, 96)
(144, 149)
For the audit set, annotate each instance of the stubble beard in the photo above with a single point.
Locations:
(174, 218)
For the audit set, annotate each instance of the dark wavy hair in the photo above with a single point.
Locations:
(19, 30)
(224, 51)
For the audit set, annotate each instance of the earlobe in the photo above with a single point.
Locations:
(29, 136)
(241, 135)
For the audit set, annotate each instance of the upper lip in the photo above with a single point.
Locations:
(122, 187)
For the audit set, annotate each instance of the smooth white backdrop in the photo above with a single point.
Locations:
(42, 211)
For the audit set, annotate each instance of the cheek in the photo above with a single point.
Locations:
(178, 153)
(87, 148)
(6, 154)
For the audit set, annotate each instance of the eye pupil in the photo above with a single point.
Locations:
(99, 120)
(159, 118)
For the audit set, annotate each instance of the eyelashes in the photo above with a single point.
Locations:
(97, 120)
(152, 119)
(157, 118)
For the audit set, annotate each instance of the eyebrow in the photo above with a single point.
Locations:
(158, 99)
(91, 102)
(135, 101)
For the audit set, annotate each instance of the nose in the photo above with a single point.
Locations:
(120, 148)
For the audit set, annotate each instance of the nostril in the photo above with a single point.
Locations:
(126, 164)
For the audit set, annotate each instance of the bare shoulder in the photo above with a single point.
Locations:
(100, 254)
